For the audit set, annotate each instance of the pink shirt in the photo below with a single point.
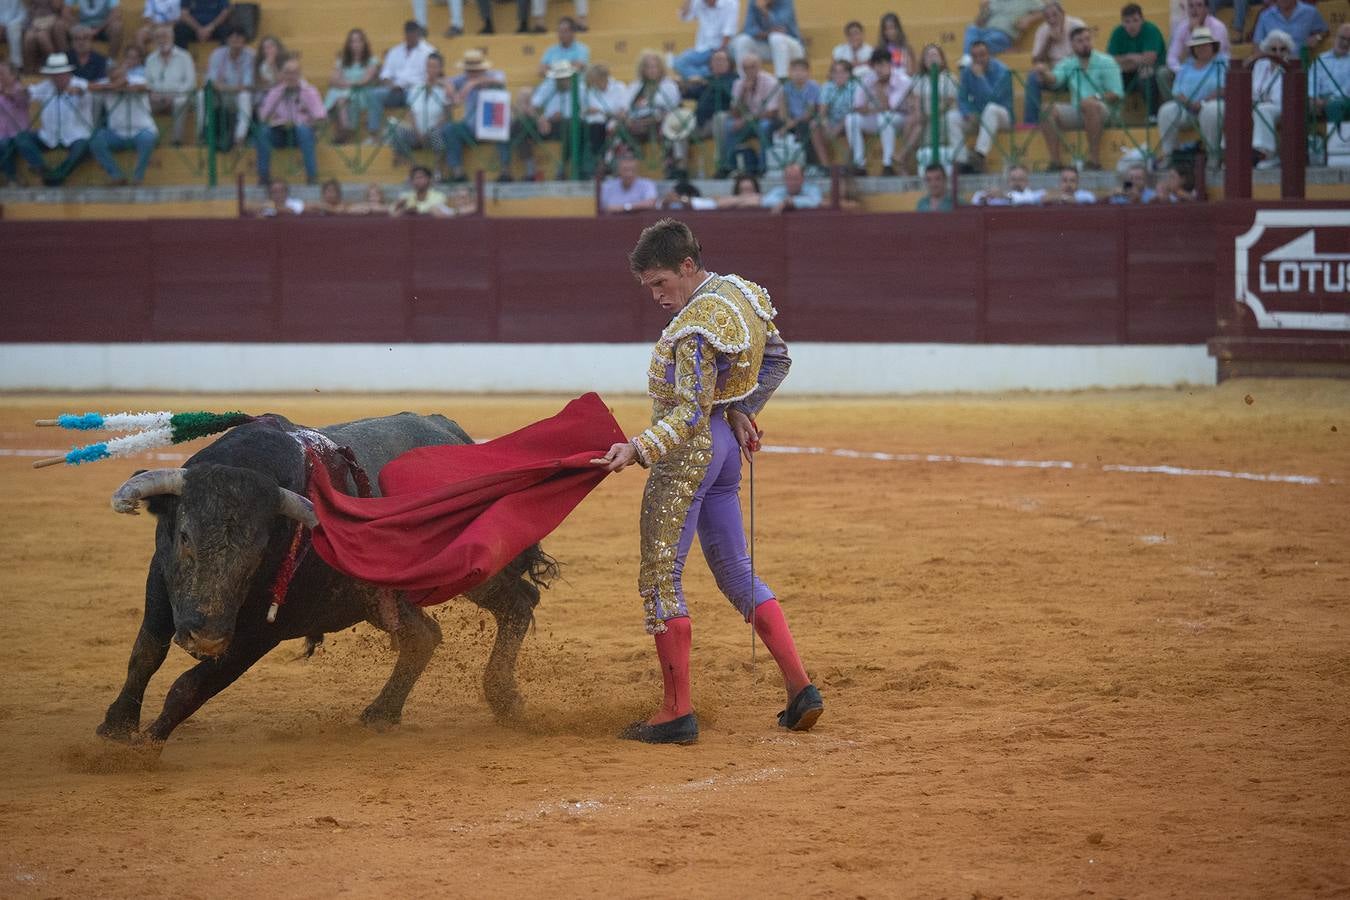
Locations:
(301, 107)
(13, 112)
(1177, 52)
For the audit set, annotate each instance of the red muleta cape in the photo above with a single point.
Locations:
(452, 517)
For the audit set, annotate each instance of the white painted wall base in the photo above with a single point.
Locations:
(574, 368)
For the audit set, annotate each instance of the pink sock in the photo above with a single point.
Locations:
(672, 648)
(772, 629)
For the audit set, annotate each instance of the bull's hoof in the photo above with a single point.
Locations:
(507, 709)
(122, 732)
(377, 718)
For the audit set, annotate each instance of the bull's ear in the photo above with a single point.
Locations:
(160, 504)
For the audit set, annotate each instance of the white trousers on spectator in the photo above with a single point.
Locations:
(243, 105)
(887, 124)
(538, 7)
(1172, 116)
(1265, 121)
(780, 48)
(990, 122)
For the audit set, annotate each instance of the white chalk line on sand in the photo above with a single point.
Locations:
(939, 458)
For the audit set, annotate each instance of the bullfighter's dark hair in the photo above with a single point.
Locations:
(665, 245)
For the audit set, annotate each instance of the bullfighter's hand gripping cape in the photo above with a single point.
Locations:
(453, 516)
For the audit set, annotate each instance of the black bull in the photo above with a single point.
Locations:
(225, 523)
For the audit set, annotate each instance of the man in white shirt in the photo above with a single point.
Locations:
(67, 120)
(405, 67)
(1069, 193)
(716, 27)
(130, 123)
(428, 112)
(230, 70)
(172, 78)
(887, 97)
(854, 50)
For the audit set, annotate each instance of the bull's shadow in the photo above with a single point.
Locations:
(226, 522)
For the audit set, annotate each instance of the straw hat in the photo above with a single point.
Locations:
(57, 64)
(1200, 37)
(475, 61)
(561, 69)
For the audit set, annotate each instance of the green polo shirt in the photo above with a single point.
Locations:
(1149, 39)
(926, 205)
(1101, 76)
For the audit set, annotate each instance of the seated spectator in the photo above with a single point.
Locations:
(372, 204)
(130, 124)
(770, 33)
(48, 31)
(172, 78)
(330, 201)
(13, 117)
(1177, 185)
(478, 75)
(1301, 21)
(1069, 193)
(1197, 16)
(13, 16)
(886, 100)
(604, 99)
(66, 120)
(350, 95)
(289, 114)
(1239, 15)
(423, 199)
(568, 48)
(1268, 98)
(1329, 80)
(89, 64)
(1134, 188)
(797, 103)
(917, 130)
(938, 197)
(1018, 191)
(428, 114)
(839, 97)
(627, 192)
(201, 20)
(683, 195)
(1000, 23)
(103, 18)
(279, 202)
(1139, 49)
(155, 14)
(550, 114)
(267, 73)
(753, 114)
(1050, 46)
(1093, 81)
(1197, 96)
(854, 50)
(891, 38)
(985, 101)
(716, 27)
(744, 194)
(230, 70)
(405, 67)
(793, 193)
(651, 97)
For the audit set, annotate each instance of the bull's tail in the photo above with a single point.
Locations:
(538, 567)
(312, 643)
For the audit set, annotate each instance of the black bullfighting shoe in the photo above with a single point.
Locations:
(803, 711)
(683, 730)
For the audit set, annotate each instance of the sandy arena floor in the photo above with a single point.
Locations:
(1040, 682)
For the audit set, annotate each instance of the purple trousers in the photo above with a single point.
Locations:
(715, 515)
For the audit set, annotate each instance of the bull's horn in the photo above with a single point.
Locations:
(127, 498)
(294, 506)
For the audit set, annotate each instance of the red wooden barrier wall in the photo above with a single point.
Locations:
(1096, 276)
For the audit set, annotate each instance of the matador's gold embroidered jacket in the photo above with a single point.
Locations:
(722, 349)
